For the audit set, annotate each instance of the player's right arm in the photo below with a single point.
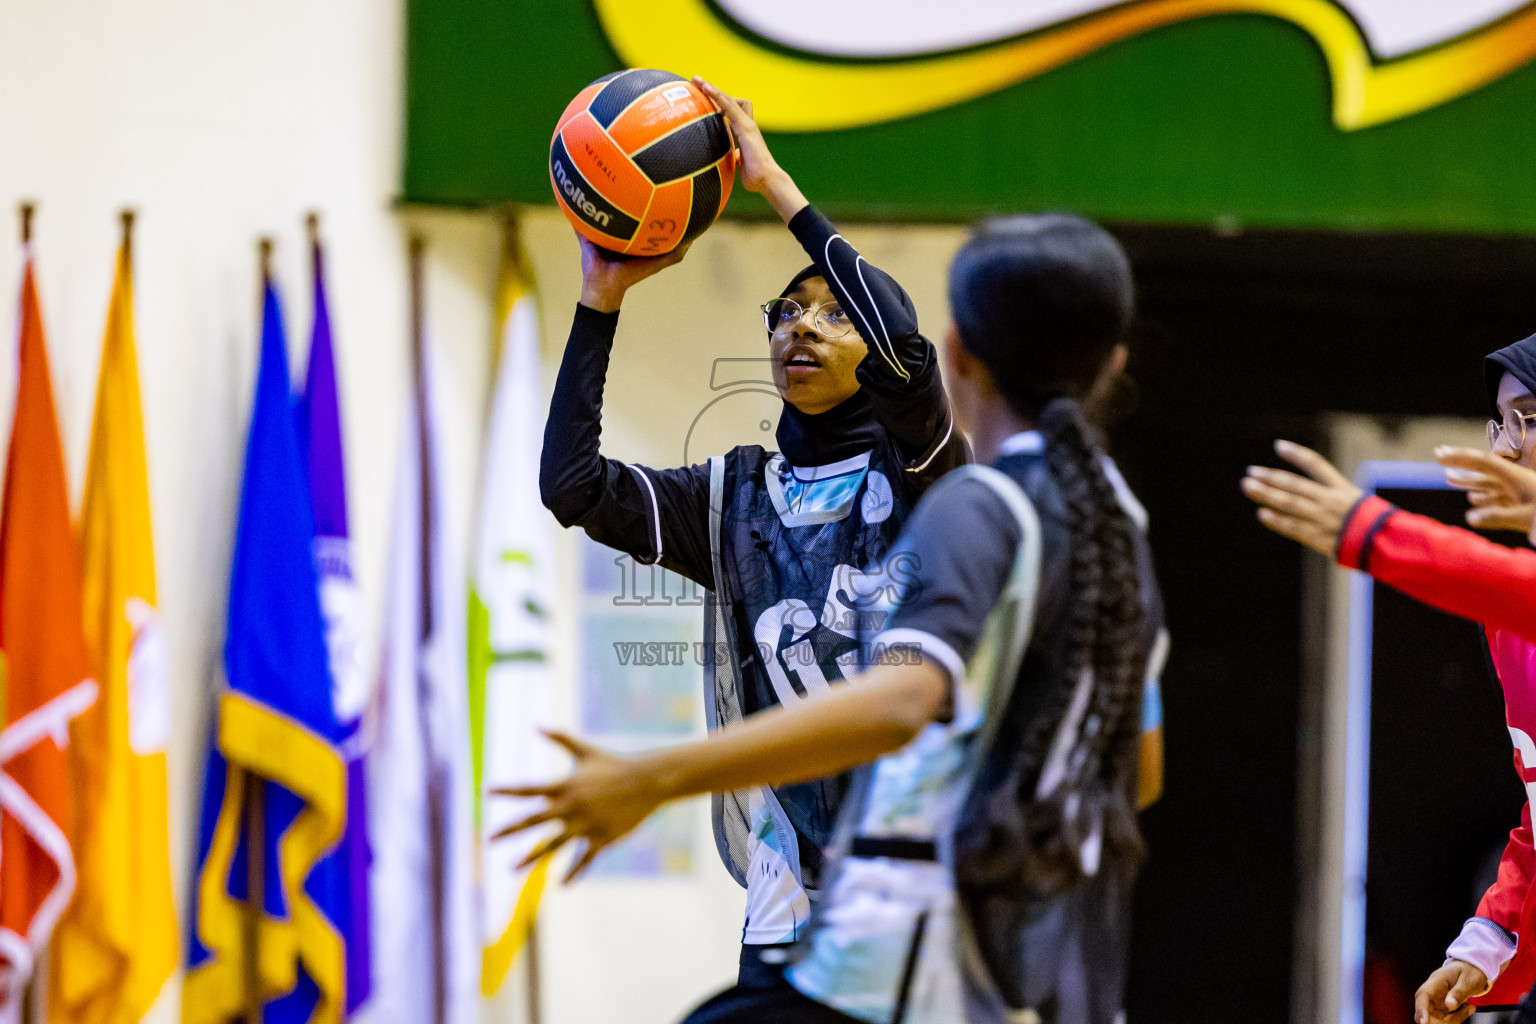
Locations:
(901, 372)
(656, 516)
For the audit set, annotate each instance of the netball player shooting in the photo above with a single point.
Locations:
(984, 864)
(787, 542)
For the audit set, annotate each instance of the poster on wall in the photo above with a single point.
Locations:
(1386, 114)
(640, 686)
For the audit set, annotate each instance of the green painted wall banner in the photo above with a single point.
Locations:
(1343, 114)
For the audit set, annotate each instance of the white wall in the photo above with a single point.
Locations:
(223, 122)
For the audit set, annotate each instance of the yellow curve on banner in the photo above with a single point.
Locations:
(496, 959)
(805, 94)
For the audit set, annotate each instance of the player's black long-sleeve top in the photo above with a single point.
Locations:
(663, 515)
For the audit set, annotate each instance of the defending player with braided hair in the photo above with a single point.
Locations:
(1043, 302)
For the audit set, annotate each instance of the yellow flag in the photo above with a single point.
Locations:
(117, 944)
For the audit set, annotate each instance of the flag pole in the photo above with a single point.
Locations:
(127, 217)
(531, 961)
(436, 827)
(255, 815)
(312, 227)
(511, 251)
(255, 890)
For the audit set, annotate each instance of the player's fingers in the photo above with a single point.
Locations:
(549, 789)
(1288, 481)
(1500, 517)
(1460, 992)
(582, 862)
(1278, 498)
(1429, 1000)
(1310, 462)
(1421, 1000)
(1485, 495)
(545, 848)
(573, 746)
(532, 821)
(1467, 479)
(1299, 530)
(729, 105)
(1459, 457)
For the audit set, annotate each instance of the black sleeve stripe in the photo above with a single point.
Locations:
(1369, 539)
(655, 510)
(623, 90)
(1338, 545)
(684, 150)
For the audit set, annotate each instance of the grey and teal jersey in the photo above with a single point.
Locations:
(895, 938)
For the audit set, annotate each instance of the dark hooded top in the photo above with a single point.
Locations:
(1518, 359)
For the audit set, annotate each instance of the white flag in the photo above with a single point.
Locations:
(426, 963)
(511, 594)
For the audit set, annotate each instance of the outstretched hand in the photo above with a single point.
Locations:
(1442, 999)
(603, 798)
(1309, 509)
(760, 172)
(604, 281)
(1503, 493)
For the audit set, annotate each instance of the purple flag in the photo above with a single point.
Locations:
(320, 424)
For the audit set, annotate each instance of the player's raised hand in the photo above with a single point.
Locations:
(603, 798)
(757, 163)
(1309, 509)
(1502, 492)
(760, 172)
(1442, 999)
(604, 281)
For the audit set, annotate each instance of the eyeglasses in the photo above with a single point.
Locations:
(1513, 428)
(830, 320)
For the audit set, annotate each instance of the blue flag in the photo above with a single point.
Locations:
(275, 771)
(319, 413)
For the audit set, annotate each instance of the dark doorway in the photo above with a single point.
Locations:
(1245, 338)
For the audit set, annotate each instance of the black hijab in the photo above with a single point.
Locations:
(843, 431)
(1518, 359)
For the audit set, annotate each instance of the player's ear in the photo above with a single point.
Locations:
(958, 363)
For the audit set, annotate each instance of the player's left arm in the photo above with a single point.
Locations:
(1446, 567)
(901, 373)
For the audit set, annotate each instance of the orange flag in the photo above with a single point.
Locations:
(47, 674)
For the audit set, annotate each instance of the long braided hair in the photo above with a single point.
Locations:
(1042, 301)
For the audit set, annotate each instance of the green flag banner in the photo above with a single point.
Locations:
(1354, 114)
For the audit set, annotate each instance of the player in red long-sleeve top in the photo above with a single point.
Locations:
(1493, 960)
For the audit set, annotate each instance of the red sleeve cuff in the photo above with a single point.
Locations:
(1359, 530)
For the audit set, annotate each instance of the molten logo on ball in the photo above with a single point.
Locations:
(577, 197)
